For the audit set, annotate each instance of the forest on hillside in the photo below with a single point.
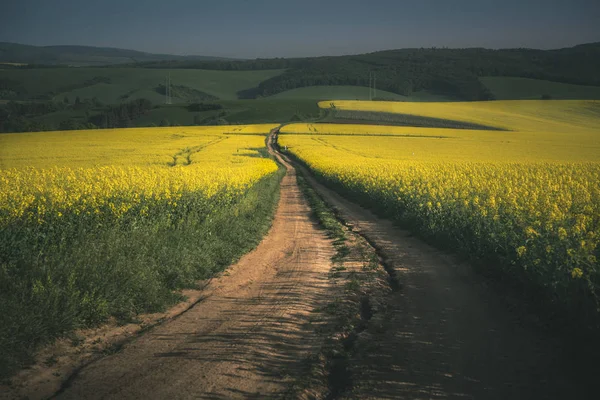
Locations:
(453, 72)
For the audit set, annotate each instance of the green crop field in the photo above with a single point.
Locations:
(268, 110)
(352, 93)
(236, 112)
(507, 88)
(126, 84)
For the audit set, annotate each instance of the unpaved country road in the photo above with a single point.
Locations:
(446, 334)
(449, 335)
(246, 339)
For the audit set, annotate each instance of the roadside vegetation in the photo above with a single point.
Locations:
(356, 309)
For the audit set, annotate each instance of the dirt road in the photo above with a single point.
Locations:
(250, 335)
(446, 333)
(450, 335)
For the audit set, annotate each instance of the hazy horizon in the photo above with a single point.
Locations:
(268, 28)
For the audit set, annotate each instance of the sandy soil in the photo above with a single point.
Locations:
(247, 338)
(450, 334)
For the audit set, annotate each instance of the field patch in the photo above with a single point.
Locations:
(125, 84)
(512, 88)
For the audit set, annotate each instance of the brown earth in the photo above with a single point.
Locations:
(451, 334)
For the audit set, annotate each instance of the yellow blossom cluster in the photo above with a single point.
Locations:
(529, 198)
(49, 175)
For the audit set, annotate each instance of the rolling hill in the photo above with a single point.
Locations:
(82, 55)
(46, 97)
(116, 85)
(450, 72)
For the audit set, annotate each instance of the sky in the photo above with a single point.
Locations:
(291, 28)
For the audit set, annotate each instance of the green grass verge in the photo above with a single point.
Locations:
(321, 211)
(64, 277)
(358, 295)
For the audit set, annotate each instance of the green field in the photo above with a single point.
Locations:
(352, 93)
(269, 110)
(236, 112)
(118, 85)
(507, 88)
(126, 84)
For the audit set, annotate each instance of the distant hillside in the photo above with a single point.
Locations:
(448, 72)
(419, 73)
(83, 55)
(510, 88)
(118, 85)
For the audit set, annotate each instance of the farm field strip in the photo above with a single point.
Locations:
(572, 116)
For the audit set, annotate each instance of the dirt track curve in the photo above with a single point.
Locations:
(447, 335)
(246, 339)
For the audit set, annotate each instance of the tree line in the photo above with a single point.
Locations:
(23, 117)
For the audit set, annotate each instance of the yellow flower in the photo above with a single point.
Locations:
(562, 233)
(110, 181)
(576, 273)
(531, 232)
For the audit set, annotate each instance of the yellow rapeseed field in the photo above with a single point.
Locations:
(529, 197)
(113, 223)
(113, 172)
(516, 115)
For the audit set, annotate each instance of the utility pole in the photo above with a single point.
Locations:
(374, 84)
(168, 89)
(370, 84)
